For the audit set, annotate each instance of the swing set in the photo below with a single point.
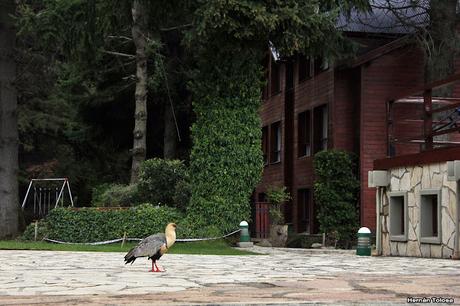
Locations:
(46, 194)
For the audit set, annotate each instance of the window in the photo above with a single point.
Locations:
(398, 216)
(303, 209)
(303, 134)
(275, 142)
(265, 144)
(320, 128)
(430, 216)
(275, 78)
(320, 64)
(304, 68)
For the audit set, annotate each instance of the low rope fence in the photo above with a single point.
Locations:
(139, 239)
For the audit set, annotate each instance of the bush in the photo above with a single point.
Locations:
(277, 196)
(29, 233)
(164, 182)
(115, 195)
(95, 224)
(336, 194)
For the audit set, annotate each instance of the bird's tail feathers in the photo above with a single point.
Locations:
(130, 258)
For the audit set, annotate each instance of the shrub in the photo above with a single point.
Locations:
(336, 194)
(29, 233)
(182, 194)
(277, 196)
(164, 181)
(96, 224)
(115, 195)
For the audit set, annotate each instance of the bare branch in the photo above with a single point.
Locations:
(120, 37)
(176, 27)
(119, 54)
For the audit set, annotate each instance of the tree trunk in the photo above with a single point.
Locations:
(170, 134)
(140, 117)
(9, 206)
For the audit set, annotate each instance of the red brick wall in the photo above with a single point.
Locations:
(382, 78)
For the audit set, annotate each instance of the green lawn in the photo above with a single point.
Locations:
(217, 247)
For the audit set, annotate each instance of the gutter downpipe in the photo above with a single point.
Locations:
(456, 254)
(378, 239)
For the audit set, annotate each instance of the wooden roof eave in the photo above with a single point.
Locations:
(374, 54)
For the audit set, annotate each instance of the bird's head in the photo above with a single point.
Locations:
(171, 227)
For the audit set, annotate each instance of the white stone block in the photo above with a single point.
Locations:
(436, 180)
(394, 183)
(404, 183)
(413, 249)
(426, 250)
(394, 248)
(447, 228)
(447, 252)
(402, 248)
(410, 199)
(452, 203)
(386, 244)
(416, 176)
(436, 251)
(426, 178)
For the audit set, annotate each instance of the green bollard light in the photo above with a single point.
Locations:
(364, 242)
(244, 234)
(245, 239)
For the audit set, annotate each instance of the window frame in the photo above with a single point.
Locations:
(321, 135)
(266, 144)
(305, 63)
(431, 239)
(304, 130)
(275, 146)
(398, 194)
(320, 64)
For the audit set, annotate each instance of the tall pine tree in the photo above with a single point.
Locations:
(9, 206)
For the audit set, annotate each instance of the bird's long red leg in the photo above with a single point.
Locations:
(158, 269)
(154, 268)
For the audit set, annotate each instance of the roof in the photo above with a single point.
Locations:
(387, 16)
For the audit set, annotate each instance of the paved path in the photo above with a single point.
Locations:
(297, 276)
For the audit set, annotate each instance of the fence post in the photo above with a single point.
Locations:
(36, 230)
(123, 241)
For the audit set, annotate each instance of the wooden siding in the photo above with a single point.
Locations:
(381, 79)
(357, 100)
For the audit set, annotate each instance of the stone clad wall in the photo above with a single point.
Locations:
(412, 180)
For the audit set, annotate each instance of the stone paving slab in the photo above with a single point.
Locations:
(281, 276)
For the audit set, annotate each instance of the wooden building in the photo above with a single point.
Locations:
(311, 105)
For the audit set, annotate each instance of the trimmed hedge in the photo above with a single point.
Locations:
(92, 224)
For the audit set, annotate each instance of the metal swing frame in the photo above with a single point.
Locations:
(65, 182)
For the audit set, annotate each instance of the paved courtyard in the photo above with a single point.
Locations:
(281, 276)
